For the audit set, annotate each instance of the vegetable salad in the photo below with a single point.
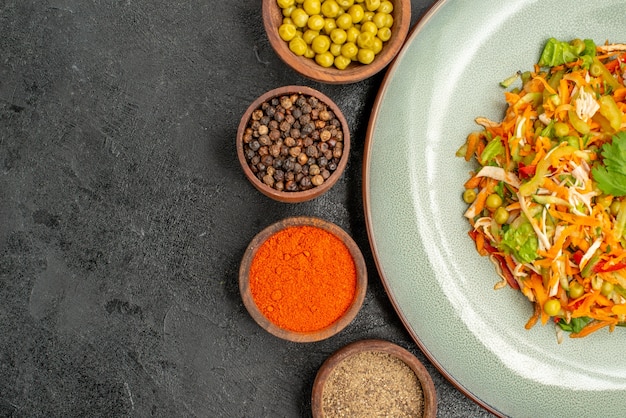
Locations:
(547, 202)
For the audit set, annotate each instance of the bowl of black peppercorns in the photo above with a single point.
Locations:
(293, 143)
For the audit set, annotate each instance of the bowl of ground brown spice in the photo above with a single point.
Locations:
(303, 279)
(293, 143)
(373, 378)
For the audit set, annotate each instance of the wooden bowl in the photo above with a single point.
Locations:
(429, 398)
(316, 335)
(272, 19)
(293, 196)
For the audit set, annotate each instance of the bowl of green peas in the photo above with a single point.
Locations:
(337, 41)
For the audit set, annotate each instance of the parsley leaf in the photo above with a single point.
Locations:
(611, 176)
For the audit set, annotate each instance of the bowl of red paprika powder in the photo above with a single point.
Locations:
(293, 143)
(303, 279)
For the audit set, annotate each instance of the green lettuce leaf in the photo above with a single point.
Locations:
(521, 242)
(557, 52)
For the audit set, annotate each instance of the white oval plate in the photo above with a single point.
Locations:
(446, 75)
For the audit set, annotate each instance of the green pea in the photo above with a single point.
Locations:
(299, 17)
(552, 307)
(501, 215)
(607, 288)
(372, 5)
(312, 7)
(287, 11)
(377, 45)
(309, 53)
(309, 35)
(338, 36)
(325, 59)
(614, 208)
(469, 195)
(365, 40)
(330, 8)
(297, 46)
(369, 27)
(287, 32)
(316, 22)
(335, 49)
(357, 13)
(576, 290)
(604, 201)
(352, 34)
(494, 201)
(349, 50)
(341, 62)
(389, 20)
(329, 25)
(368, 16)
(384, 34)
(344, 21)
(320, 44)
(380, 19)
(365, 56)
(385, 7)
(345, 4)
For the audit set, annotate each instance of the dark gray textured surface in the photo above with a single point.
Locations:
(124, 215)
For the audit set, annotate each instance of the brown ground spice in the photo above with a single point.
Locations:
(372, 384)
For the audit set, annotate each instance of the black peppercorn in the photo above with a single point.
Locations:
(257, 114)
(305, 183)
(285, 102)
(264, 140)
(301, 101)
(293, 142)
(291, 186)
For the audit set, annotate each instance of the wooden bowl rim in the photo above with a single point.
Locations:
(375, 345)
(301, 196)
(272, 17)
(312, 336)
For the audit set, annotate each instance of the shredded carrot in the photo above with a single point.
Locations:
(589, 328)
(472, 183)
(546, 86)
(472, 144)
(535, 316)
(619, 94)
(480, 244)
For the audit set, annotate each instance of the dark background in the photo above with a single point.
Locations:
(124, 215)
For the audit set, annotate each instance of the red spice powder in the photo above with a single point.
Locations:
(303, 278)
